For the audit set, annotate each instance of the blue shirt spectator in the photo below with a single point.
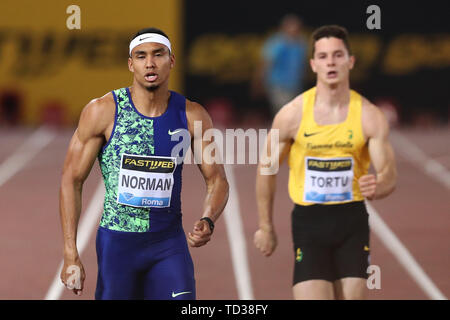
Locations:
(286, 65)
(284, 56)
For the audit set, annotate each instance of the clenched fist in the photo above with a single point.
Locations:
(200, 235)
(73, 275)
(368, 186)
(265, 241)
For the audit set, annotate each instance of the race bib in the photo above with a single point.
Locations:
(146, 181)
(328, 180)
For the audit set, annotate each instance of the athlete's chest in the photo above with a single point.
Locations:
(142, 136)
(329, 131)
(326, 116)
(329, 139)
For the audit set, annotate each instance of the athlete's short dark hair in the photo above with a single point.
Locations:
(329, 31)
(150, 30)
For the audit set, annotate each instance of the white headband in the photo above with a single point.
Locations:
(149, 37)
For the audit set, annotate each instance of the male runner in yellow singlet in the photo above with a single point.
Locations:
(330, 134)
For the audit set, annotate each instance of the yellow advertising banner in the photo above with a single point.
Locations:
(57, 55)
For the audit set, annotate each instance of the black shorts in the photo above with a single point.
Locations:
(331, 242)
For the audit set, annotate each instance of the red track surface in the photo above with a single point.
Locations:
(31, 238)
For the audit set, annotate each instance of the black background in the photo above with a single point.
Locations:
(424, 90)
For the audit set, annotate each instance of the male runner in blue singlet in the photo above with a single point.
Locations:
(141, 246)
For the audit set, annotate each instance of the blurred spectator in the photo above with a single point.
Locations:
(283, 64)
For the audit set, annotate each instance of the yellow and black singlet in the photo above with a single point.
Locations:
(326, 161)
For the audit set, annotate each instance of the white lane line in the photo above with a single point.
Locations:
(236, 239)
(87, 226)
(417, 157)
(402, 254)
(37, 141)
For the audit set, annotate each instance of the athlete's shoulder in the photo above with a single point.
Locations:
(99, 106)
(102, 102)
(99, 112)
(288, 118)
(194, 108)
(290, 110)
(196, 112)
(374, 121)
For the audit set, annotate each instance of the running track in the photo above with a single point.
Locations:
(31, 239)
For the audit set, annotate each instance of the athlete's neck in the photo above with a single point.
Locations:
(332, 96)
(151, 103)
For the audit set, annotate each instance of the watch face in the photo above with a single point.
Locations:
(210, 222)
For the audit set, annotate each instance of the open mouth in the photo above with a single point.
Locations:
(331, 74)
(151, 76)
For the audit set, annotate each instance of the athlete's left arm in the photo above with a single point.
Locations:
(376, 130)
(212, 171)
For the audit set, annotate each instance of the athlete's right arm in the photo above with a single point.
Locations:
(82, 152)
(277, 146)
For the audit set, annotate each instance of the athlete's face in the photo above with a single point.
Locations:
(151, 63)
(331, 62)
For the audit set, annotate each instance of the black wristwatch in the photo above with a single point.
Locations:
(210, 222)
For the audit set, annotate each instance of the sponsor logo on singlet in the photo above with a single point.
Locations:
(146, 181)
(328, 180)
